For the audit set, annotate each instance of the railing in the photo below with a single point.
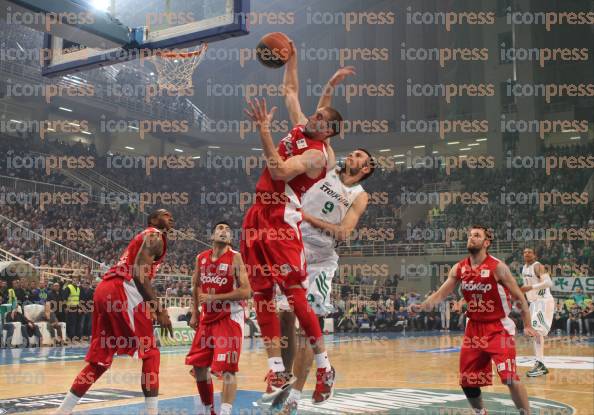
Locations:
(31, 186)
(43, 244)
(421, 249)
(175, 301)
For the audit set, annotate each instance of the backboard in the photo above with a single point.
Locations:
(146, 26)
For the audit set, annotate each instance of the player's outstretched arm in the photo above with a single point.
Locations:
(291, 86)
(195, 289)
(504, 275)
(344, 229)
(311, 162)
(337, 78)
(152, 247)
(441, 294)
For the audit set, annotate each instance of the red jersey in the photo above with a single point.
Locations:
(487, 299)
(218, 276)
(125, 264)
(278, 192)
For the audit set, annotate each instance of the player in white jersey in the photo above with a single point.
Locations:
(331, 210)
(537, 286)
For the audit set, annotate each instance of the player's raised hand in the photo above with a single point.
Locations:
(258, 112)
(415, 308)
(342, 73)
(530, 332)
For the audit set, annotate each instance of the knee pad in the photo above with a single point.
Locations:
(308, 320)
(266, 314)
(150, 370)
(472, 393)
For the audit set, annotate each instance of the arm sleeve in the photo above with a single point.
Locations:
(545, 283)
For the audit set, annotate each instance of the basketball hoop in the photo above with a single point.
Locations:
(176, 67)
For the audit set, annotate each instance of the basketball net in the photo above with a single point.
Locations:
(175, 68)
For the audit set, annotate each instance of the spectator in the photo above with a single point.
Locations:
(588, 318)
(54, 301)
(28, 328)
(575, 317)
(578, 297)
(53, 324)
(71, 294)
(85, 309)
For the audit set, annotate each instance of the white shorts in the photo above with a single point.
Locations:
(541, 315)
(321, 267)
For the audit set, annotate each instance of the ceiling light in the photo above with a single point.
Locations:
(17, 121)
(129, 148)
(398, 155)
(384, 150)
(196, 157)
(87, 132)
(214, 147)
(435, 152)
(451, 143)
(132, 127)
(465, 149)
(473, 145)
(65, 109)
(481, 139)
(577, 137)
(256, 149)
(179, 150)
(419, 146)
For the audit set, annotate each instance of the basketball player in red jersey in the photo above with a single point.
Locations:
(487, 285)
(271, 239)
(219, 283)
(124, 306)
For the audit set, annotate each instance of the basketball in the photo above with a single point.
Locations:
(274, 50)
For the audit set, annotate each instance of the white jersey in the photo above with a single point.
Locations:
(530, 278)
(329, 200)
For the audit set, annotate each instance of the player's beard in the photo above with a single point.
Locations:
(473, 250)
(352, 171)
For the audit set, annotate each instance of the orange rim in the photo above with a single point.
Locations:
(182, 55)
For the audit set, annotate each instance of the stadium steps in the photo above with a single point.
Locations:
(411, 214)
(44, 244)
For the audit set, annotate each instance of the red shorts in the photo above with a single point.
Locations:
(122, 323)
(218, 345)
(483, 342)
(272, 249)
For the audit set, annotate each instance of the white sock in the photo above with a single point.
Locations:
(322, 361)
(68, 404)
(207, 409)
(151, 405)
(276, 364)
(480, 411)
(294, 395)
(539, 348)
(226, 409)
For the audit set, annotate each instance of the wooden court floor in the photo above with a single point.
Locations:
(391, 366)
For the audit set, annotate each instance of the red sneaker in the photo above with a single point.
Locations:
(324, 386)
(277, 382)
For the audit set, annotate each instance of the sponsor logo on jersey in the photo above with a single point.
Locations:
(213, 279)
(223, 267)
(476, 286)
(301, 144)
(335, 195)
(485, 273)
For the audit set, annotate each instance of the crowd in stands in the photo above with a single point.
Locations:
(70, 303)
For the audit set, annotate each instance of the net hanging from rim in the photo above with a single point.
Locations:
(176, 67)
